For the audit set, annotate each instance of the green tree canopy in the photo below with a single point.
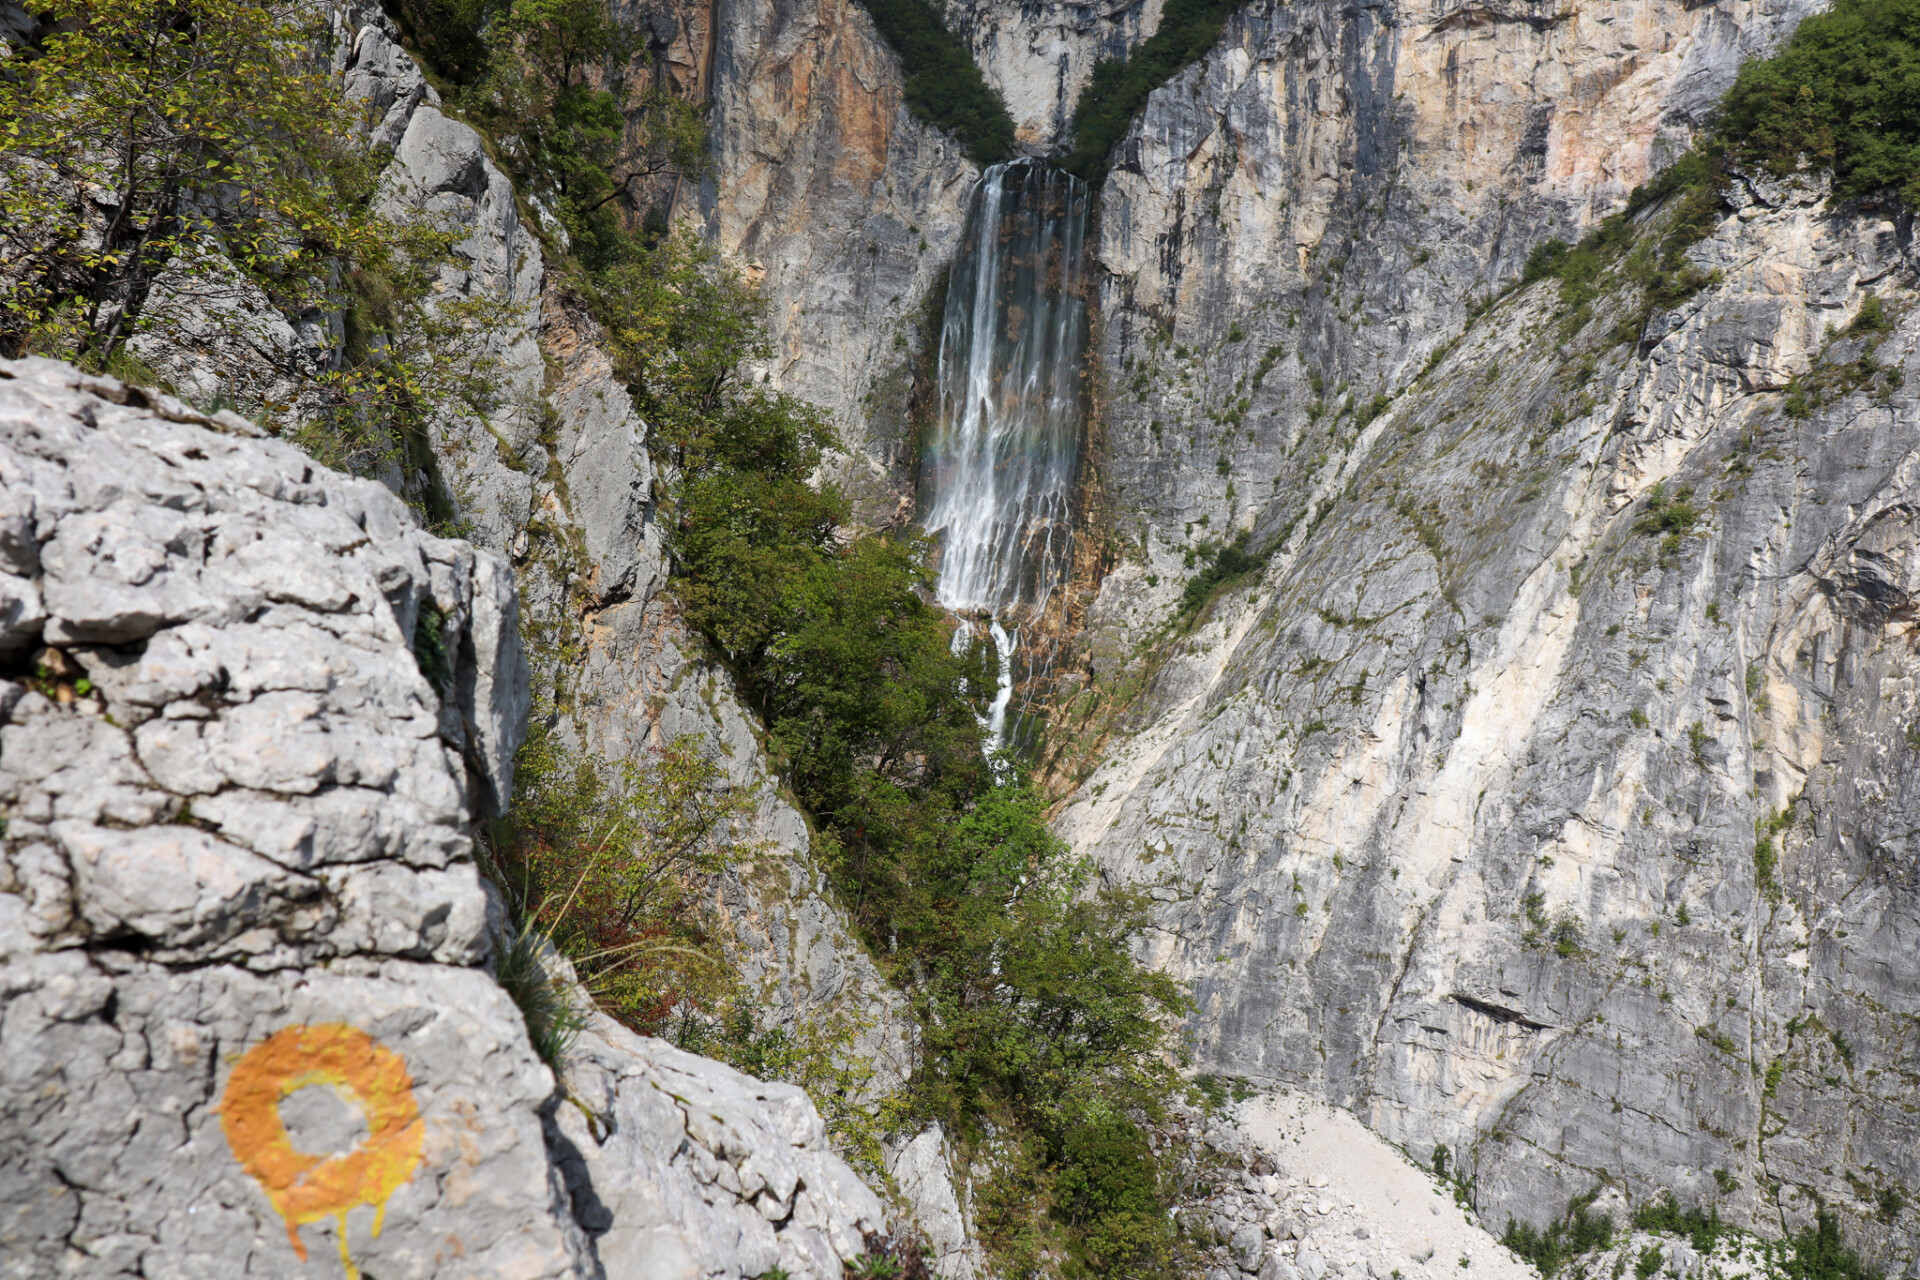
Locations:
(141, 134)
(1843, 94)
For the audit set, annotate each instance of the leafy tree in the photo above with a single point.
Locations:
(147, 134)
(943, 85)
(1843, 94)
(163, 158)
(1120, 86)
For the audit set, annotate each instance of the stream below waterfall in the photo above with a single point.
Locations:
(1002, 460)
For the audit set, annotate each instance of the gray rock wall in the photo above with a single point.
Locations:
(1306, 214)
(847, 207)
(1451, 814)
(574, 510)
(246, 1016)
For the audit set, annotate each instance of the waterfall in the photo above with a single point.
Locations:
(1002, 459)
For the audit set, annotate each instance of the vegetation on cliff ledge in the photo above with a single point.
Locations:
(943, 85)
(1120, 86)
(1046, 1046)
(1838, 98)
(1843, 94)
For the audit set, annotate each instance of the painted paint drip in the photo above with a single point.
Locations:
(1002, 461)
(305, 1187)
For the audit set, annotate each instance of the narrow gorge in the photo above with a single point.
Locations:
(875, 639)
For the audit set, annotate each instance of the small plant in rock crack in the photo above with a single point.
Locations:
(553, 1020)
(889, 1258)
(1671, 515)
(430, 650)
(1697, 740)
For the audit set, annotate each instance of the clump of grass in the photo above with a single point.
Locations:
(520, 967)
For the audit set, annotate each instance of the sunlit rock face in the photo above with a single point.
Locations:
(846, 207)
(1450, 811)
(251, 712)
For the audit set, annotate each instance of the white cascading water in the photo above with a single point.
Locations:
(1002, 460)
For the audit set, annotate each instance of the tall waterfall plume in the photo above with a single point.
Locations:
(1002, 461)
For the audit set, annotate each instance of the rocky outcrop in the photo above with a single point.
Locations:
(1453, 812)
(252, 711)
(667, 1151)
(1039, 57)
(849, 205)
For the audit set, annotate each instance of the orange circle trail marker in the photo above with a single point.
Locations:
(305, 1187)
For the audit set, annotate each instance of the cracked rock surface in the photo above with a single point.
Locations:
(251, 711)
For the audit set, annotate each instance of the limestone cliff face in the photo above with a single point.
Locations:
(556, 484)
(1336, 185)
(1451, 812)
(848, 204)
(242, 936)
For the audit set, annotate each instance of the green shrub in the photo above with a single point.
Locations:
(1838, 96)
(1668, 513)
(1366, 413)
(1119, 87)
(1665, 1216)
(943, 85)
(607, 859)
(1568, 934)
(1230, 565)
(1818, 1253)
(1108, 1187)
(1579, 1231)
(1697, 740)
